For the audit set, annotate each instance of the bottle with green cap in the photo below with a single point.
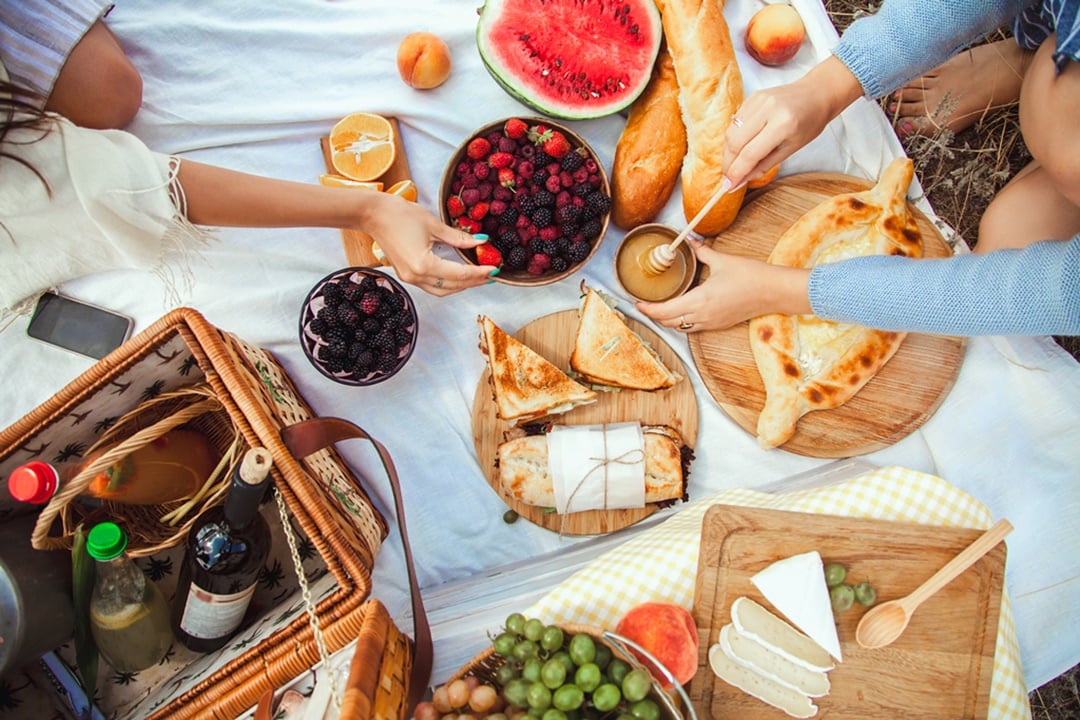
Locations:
(128, 614)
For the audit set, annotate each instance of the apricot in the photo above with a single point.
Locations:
(775, 34)
(669, 633)
(423, 60)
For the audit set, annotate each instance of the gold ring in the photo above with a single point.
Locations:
(736, 122)
(438, 284)
(683, 325)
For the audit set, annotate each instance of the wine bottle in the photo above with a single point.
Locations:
(172, 467)
(226, 548)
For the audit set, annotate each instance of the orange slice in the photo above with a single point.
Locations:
(362, 146)
(331, 180)
(404, 188)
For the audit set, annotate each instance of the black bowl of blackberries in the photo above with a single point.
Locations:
(358, 326)
(537, 190)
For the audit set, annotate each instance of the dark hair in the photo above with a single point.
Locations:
(20, 109)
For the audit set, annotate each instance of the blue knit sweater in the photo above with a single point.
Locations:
(1034, 291)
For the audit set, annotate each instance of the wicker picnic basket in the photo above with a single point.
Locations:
(320, 502)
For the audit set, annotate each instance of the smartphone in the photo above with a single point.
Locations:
(78, 326)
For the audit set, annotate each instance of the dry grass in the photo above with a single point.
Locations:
(960, 173)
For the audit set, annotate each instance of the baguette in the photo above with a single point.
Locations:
(710, 92)
(650, 150)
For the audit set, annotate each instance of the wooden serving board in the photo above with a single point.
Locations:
(899, 399)
(940, 668)
(552, 336)
(357, 242)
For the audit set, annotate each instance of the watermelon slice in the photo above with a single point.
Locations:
(570, 59)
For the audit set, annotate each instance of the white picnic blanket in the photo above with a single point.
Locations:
(254, 86)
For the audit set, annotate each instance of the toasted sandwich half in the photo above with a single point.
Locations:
(524, 473)
(526, 386)
(608, 352)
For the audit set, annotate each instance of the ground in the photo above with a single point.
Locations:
(960, 174)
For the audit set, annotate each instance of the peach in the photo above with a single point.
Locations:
(669, 633)
(775, 34)
(423, 60)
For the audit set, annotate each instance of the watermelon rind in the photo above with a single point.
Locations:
(526, 44)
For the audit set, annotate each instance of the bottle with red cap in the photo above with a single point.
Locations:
(172, 467)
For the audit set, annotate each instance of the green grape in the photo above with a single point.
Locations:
(510, 517)
(568, 697)
(525, 649)
(505, 673)
(572, 714)
(617, 669)
(552, 638)
(636, 685)
(533, 629)
(539, 696)
(553, 674)
(516, 692)
(606, 697)
(564, 657)
(553, 714)
(534, 713)
(865, 594)
(842, 596)
(835, 574)
(588, 677)
(645, 710)
(515, 623)
(582, 649)
(504, 643)
(531, 669)
(603, 656)
(625, 716)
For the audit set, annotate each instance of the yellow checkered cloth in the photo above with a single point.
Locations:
(661, 563)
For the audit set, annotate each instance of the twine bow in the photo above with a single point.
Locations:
(602, 463)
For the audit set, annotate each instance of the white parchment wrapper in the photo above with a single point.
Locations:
(597, 467)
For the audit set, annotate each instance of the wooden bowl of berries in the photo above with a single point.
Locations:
(358, 326)
(537, 190)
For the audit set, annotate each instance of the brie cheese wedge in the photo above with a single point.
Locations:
(754, 621)
(755, 656)
(791, 701)
(796, 587)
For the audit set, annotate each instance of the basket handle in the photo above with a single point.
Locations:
(309, 436)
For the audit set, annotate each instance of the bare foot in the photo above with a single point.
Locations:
(962, 91)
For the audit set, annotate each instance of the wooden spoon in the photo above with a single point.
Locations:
(661, 257)
(887, 621)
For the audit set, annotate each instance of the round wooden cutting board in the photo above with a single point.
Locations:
(895, 402)
(552, 336)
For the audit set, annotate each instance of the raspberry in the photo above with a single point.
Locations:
(454, 206)
(463, 168)
(500, 160)
(481, 170)
(538, 264)
(526, 169)
(497, 208)
(527, 152)
(501, 193)
(493, 138)
(507, 145)
(469, 181)
(549, 233)
(369, 303)
(478, 148)
(470, 196)
(563, 198)
(590, 165)
(553, 184)
(515, 128)
(484, 190)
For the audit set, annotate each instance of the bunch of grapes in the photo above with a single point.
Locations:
(549, 674)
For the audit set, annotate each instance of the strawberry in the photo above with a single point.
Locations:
(454, 206)
(506, 177)
(557, 145)
(478, 149)
(515, 128)
(488, 254)
(539, 134)
(468, 225)
(478, 211)
(499, 160)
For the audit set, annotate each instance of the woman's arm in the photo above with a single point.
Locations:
(404, 230)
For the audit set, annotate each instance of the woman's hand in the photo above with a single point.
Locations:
(737, 289)
(407, 232)
(775, 122)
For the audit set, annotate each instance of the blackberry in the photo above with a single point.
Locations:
(335, 365)
(318, 326)
(506, 240)
(578, 251)
(336, 348)
(562, 244)
(568, 213)
(332, 293)
(542, 159)
(337, 333)
(592, 229)
(571, 161)
(527, 204)
(582, 189)
(363, 362)
(541, 217)
(371, 325)
(538, 245)
(517, 258)
(599, 202)
(347, 314)
(384, 342)
(326, 315)
(559, 263)
(568, 229)
(395, 302)
(402, 337)
(369, 283)
(509, 216)
(386, 362)
(544, 197)
(350, 291)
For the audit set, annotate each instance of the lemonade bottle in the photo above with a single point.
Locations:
(128, 615)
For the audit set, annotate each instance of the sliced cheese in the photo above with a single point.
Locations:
(791, 701)
(796, 587)
(757, 623)
(751, 654)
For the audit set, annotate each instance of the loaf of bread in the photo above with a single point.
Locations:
(710, 92)
(650, 150)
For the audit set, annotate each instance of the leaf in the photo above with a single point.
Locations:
(82, 584)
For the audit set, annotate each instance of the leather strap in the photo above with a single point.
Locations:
(309, 436)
